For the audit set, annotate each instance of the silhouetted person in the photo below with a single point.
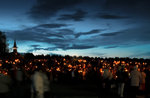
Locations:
(121, 80)
(5, 83)
(46, 85)
(19, 81)
(107, 76)
(147, 82)
(142, 82)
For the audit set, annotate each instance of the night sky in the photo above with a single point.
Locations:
(103, 28)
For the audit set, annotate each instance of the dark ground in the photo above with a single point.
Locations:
(85, 90)
(75, 90)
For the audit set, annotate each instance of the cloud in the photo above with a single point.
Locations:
(65, 31)
(98, 54)
(108, 16)
(76, 46)
(95, 31)
(77, 16)
(34, 46)
(60, 38)
(40, 48)
(108, 47)
(44, 9)
(62, 46)
(65, 38)
(123, 2)
(122, 38)
(111, 34)
(51, 25)
(82, 46)
(135, 7)
(144, 55)
(39, 33)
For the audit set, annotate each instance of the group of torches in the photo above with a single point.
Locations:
(82, 66)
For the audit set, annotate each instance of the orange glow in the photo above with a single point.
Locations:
(6, 61)
(126, 70)
(58, 69)
(101, 70)
(103, 66)
(0, 65)
(70, 66)
(123, 62)
(74, 67)
(84, 66)
(84, 61)
(114, 65)
(80, 60)
(84, 73)
(69, 69)
(36, 66)
(17, 60)
(79, 71)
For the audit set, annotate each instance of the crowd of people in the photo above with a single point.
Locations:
(33, 78)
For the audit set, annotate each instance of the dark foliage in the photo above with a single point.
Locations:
(3, 44)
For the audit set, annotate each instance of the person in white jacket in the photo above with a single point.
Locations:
(135, 77)
(37, 87)
(40, 84)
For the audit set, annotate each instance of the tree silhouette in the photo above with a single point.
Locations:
(3, 44)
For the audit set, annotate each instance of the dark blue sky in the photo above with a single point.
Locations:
(106, 28)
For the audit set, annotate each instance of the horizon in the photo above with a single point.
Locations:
(94, 28)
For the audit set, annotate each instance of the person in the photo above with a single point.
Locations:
(19, 87)
(19, 76)
(107, 76)
(37, 87)
(46, 84)
(142, 81)
(147, 83)
(135, 77)
(121, 80)
(40, 84)
(73, 75)
(5, 83)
